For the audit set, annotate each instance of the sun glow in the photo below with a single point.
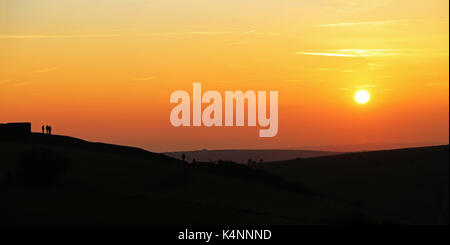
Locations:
(362, 96)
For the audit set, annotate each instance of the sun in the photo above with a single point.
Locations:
(362, 96)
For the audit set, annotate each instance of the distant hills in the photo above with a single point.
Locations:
(243, 156)
(273, 155)
(376, 146)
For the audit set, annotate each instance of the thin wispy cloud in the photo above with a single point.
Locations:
(250, 32)
(208, 32)
(125, 30)
(324, 69)
(331, 69)
(143, 78)
(55, 36)
(21, 84)
(325, 54)
(370, 23)
(268, 33)
(375, 66)
(5, 81)
(47, 69)
(135, 33)
(434, 84)
(163, 34)
(353, 52)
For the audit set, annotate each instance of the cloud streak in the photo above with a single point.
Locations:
(55, 36)
(325, 54)
(47, 69)
(250, 32)
(370, 23)
(136, 33)
(352, 52)
(143, 78)
(21, 84)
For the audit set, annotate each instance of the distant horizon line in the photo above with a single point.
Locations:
(307, 148)
(376, 146)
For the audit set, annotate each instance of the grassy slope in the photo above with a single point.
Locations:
(117, 185)
(411, 184)
(108, 184)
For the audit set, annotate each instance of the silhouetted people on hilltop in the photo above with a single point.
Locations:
(48, 129)
(183, 157)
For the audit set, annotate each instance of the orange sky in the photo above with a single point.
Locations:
(103, 70)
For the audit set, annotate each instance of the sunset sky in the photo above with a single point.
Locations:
(103, 70)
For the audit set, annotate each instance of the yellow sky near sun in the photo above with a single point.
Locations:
(93, 68)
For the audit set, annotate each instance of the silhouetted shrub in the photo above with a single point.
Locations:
(40, 166)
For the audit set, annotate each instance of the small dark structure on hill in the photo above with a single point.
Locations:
(15, 130)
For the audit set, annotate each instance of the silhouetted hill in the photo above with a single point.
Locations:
(411, 184)
(63, 180)
(243, 156)
(379, 146)
(67, 141)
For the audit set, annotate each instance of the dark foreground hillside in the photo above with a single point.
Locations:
(410, 184)
(62, 180)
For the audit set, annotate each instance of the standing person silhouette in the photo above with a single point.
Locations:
(46, 129)
(49, 129)
(42, 128)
